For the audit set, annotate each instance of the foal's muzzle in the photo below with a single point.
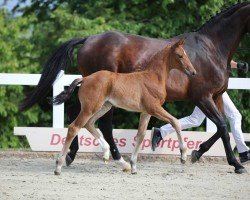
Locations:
(190, 73)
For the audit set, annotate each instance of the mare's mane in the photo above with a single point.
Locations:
(223, 13)
(149, 63)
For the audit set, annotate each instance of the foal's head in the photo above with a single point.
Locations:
(180, 60)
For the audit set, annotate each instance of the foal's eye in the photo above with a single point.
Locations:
(180, 56)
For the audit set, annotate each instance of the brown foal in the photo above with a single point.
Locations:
(143, 91)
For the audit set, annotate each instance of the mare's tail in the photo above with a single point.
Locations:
(66, 94)
(58, 61)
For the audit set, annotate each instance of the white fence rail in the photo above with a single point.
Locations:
(65, 80)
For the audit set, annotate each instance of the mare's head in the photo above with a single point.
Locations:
(179, 59)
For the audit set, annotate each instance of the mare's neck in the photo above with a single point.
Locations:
(227, 32)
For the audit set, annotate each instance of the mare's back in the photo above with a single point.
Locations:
(117, 52)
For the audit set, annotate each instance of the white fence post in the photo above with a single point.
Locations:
(58, 110)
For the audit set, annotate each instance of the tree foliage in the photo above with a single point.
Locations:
(27, 41)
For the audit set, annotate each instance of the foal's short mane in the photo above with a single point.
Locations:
(223, 13)
(151, 62)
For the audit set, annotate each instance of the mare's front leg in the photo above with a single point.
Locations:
(143, 124)
(208, 106)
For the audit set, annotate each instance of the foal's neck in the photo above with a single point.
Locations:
(159, 64)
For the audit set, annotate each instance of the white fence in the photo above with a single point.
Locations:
(65, 80)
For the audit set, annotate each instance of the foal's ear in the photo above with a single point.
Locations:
(181, 41)
(178, 43)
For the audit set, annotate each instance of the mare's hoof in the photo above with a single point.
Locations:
(134, 173)
(57, 173)
(240, 171)
(194, 156)
(155, 138)
(68, 160)
(183, 161)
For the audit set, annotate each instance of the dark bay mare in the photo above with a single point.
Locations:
(210, 49)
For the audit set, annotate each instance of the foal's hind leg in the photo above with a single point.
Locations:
(105, 146)
(143, 124)
(73, 129)
(105, 126)
(162, 114)
(90, 126)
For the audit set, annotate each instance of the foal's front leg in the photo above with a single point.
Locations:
(143, 124)
(162, 114)
(183, 148)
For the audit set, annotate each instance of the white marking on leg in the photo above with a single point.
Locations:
(105, 148)
(125, 165)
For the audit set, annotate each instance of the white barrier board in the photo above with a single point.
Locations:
(64, 80)
(52, 139)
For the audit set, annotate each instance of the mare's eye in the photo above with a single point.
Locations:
(180, 56)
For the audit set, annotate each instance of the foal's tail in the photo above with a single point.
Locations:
(66, 94)
(58, 61)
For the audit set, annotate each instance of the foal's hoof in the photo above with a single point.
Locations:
(134, 173)
(124, 165)
(183, 161)
(194, 156)
(57, 173)
(105, 160)
(68, 160)
(126, 169)
(240, 171)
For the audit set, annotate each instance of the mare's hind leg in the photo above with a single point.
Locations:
(90, 126)
(74, 147)
(105, 126)
(162, 114)
(143, 124)
(72, 112)
(207, 105)
(73, 129)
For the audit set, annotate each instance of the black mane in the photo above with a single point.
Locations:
(223, 13)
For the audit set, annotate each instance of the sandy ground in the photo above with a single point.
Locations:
(23, 177)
